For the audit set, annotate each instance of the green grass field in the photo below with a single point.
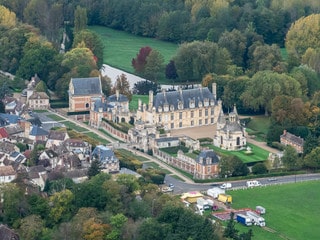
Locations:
(121, 47)
(125, 152)
(259, 123)
(74, 126)
(258, 155)
(96, 137)
(292, 210)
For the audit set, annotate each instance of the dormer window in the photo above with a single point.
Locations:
(166, 107)
(206, 102)
(159, 109)
(192, 103)
(171, 108)
(180, 105)
(200, 103)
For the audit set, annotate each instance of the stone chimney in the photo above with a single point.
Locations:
(150, 99)
(214, 91)
(117, 94)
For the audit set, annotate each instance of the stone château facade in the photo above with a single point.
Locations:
(181, 109)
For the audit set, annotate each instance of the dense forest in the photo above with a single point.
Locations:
(264, 56)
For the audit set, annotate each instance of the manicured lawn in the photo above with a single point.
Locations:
(109, 135)
(74, 126)
(96, 137)
(259, 154)
(55, 117)
(121, 47)
(133, 105)
(125, 152)
(292, 210)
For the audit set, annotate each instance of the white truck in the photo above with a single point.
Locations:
(253, 183)
(226, 186)
(256, 219)
(244, 219)
(214, 192)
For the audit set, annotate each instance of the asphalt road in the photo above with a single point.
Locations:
(181, 187)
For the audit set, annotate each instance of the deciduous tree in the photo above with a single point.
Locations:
(91, 41)
(290, 158)
(80, 19)
(154, 66)
(312, 159)
(122, 84)
(139, 62)
(303, 34)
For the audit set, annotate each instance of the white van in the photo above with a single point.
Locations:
(253, 183)
(226, 186)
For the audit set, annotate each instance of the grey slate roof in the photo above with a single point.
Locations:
(292, 138)
(38, 131)
(208, 154)
(99, 104)
(104, 154)
(113, 98)
(173, 97)
(86, 86)
(11, 118)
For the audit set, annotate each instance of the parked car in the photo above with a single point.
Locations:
(171, 185)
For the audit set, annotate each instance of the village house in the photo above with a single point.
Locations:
(56, 138)
(82, 92)
(181, 109)
(38, 100)
(105, 155)
(292, 140)
(79, 147)
(13, 106)
(7, 174)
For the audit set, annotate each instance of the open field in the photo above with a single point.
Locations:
(121, 47)
(292, 210)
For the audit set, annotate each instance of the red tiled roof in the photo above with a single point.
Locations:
(3, 133)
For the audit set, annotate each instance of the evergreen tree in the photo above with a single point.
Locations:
(94, 169)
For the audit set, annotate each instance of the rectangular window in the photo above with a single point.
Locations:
(172, 116)
(172, 125)
(192, 114)
(200, 113)
(159, 118)
(206, 112)
(212, 121)
(206, 121)
(192, 122)
(180, 124)
(180, 115)
(212, 111)
(200, 122)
